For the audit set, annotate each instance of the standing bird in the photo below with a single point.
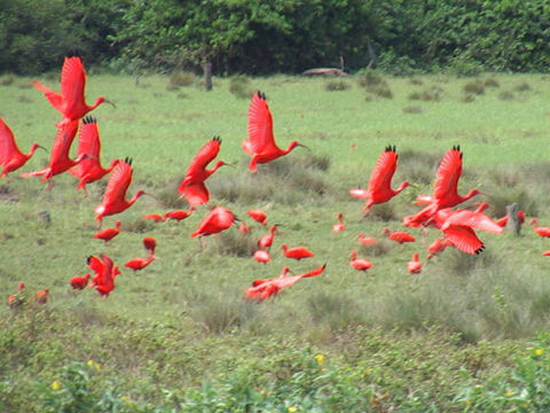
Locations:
(59, 156)
(504, 220)
(414, 266)
(192, 187)
(261, 142)
(137, 264)
(89, 169)
(154, 217)
(379, 189)
(339, 226)
(17, 299)
(177, 215)
(398, 236)
(296, 253)
(258, 215)
(262, 256)
(217, 220)
(71, 101)
(360, 264)
(114, 200)
(11, 158)
(108, 233)
(541, 231)
(266, 240)
(41, 297)
(80, 282)
(150, 244)
(364, 240)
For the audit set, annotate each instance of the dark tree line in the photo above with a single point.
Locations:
(259, 37)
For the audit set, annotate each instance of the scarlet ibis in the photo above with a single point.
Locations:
(437, 247)
(192, 187)
(80, 282)
(266, 240)
(108, 233)
(262, 256)
(546, 253)
(379, 189)
(150, 244)
(339, 226)
(71, 101)
(41, 297)
(296, 253)
(137, 264)
(89, 169)
(105, 273)
(542, 231)
(217, 220)
(18, 298)
(364, 240)
(504, 220)
(11, 158)
(360, 264)
(59, 156)
(398, 236)
(261, 142)
(459, 235)
(473, 219)
(262, 289)
(114, 199)
(244, 229)
(445, 193)
(177, 215)
(414, 266)
(154, 217)
(258, 215)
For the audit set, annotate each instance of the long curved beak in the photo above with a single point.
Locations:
(303, 146)
(110, 103)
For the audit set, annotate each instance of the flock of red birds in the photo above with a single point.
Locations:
(457, 226)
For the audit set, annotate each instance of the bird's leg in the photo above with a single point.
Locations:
(50, 184)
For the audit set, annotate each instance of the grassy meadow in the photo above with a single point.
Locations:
(465, 335)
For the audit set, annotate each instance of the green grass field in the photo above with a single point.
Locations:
(465, 335)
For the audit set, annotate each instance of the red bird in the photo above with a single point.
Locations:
(266, 240)
(108, 233)
(398, 236)
(17, 299)
(261, 142)
(258, 215)
(217, 220)
(178, 215)
(339, 226)
(364, 240)
(59, 156)
(414, 266)
(105, 273)
(546, 253)
(71, 101)
(154, 217)
(80, 282)
(437, 247)
(445, 193)
(379, 189)
(473, 219)
(89, 169)
(11, 158)
(137, 264)
(244, 229)
(192, 187)
(262, 289)
(41, 297)
(360, 264)
(262, 256)
(296, 253)
(542, 231)
(150, 244)
(504, 220)
(114, 200)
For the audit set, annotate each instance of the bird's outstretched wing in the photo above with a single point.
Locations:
(88, 144)
(73, 81)
(119, 181)
(381, 176)
(8, 147)
(448, 174)
(260, 126)
(204, 156)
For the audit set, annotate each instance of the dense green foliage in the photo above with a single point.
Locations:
(253, 37)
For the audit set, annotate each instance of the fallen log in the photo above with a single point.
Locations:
(324, 71)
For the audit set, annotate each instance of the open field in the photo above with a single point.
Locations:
(178, 336)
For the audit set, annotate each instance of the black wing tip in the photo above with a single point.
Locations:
(391, 148)
(480, 249)
(261, 95)
(457, 148)
(217, 138)
(89, 119)
(128, 160)
(73, 53)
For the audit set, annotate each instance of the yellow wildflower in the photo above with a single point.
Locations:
(56, 385)
(93, 365)
(320, 360)
(292, 409)
(539, 351)
(510, 393)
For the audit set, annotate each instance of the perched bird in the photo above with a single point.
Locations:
(108, 233)
(177, 215)
(364, 240)
(41, 297)
(80, 282)
(541, 231)
(217, 220)
(105, 273)
(266, 240)
(154, 217)
(296, 253)
(89, 147)
(339, 226)
(398, 236)
(71, 101)
(360, 264)
(114, 199)
(262, 256)
(11, 158)
(258, 215)
(260, 144)
(59, 156)
(414, 266)
(379, 189)
(263, 289)
(192, 187)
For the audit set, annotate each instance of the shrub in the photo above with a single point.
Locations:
(180, 79)
(475, 88)
(240, 87)
(336, 85)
